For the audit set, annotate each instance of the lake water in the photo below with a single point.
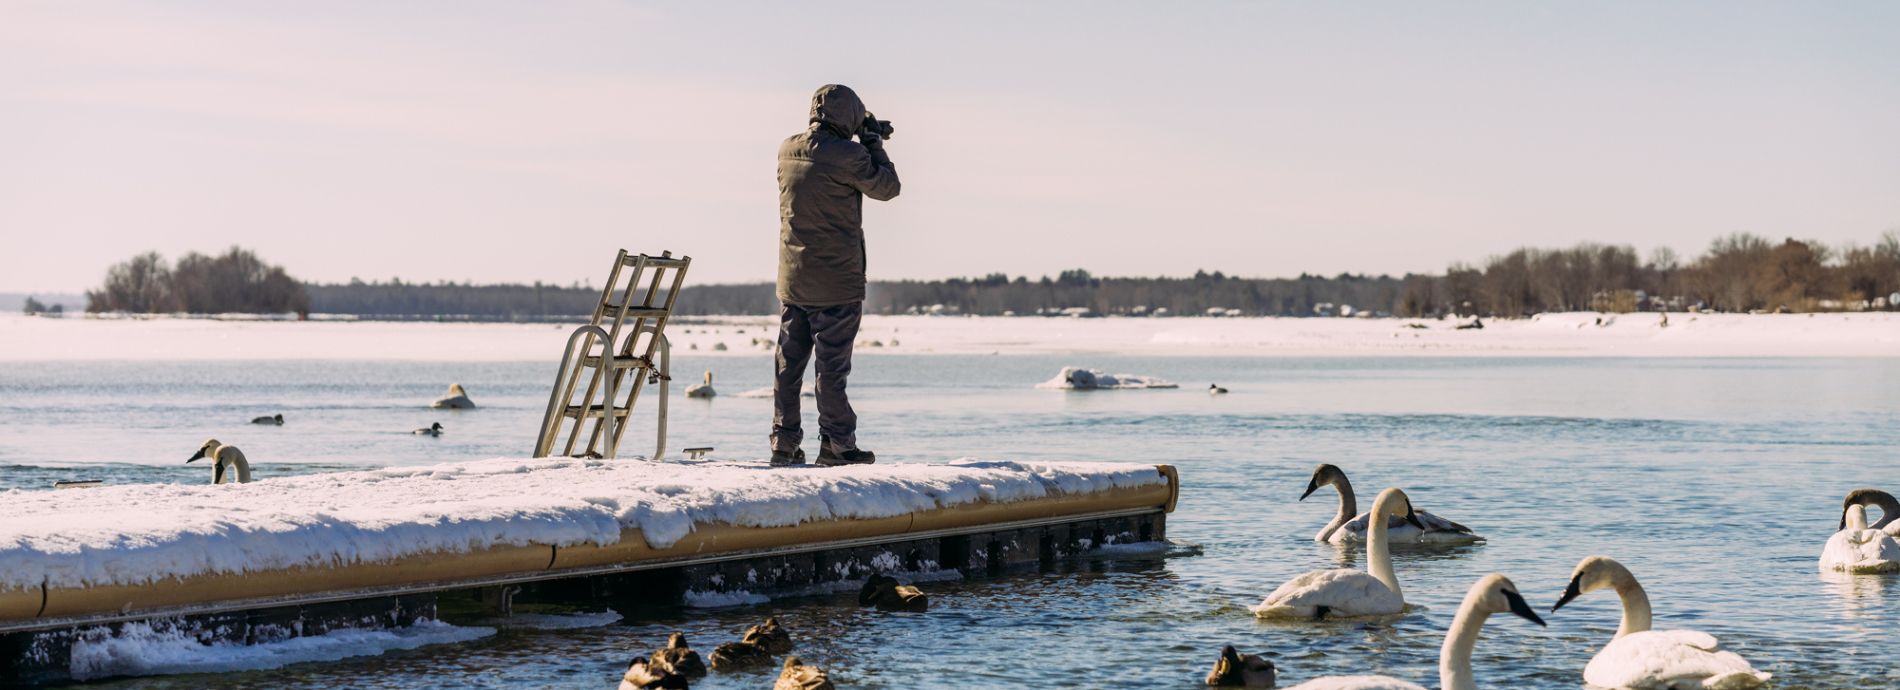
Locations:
(1715, 481)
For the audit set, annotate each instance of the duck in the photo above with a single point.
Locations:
(273, 419)
(701, 390)
(644, 675)
(1215, 389)
(457, 399)
(771, 636)
(1236, 670)
(224, 456)
(883, 592)
(1889, 521)
(798, 675)
(679, 658)
(1345, 593)
(1492, 593)
(1348, 528)
(1858, 549)
(733, 656)
(431, 430)
(1638, 657)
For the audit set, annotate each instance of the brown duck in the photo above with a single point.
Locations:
(679, 658)
(800, 676)
(771, 636)
(883, 592)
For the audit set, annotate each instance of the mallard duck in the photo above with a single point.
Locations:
(801, 676)
(273, 419)
(1236, 670)
(641, 675)
(732, 656)
(457, 399)
(771, 636)
(677, 657)
(432, 430)
(223, 456)
(883, 592)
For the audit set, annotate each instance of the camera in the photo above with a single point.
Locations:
(871, 124)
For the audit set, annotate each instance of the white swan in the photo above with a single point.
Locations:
(1858, 549)
(457, 399)
(1653, 659)
(222, 457)
(1349, 525)
(701, 390)
(1889, 521)
(1347, 593)
(1493, 593)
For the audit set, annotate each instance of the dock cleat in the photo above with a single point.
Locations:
(795, 456)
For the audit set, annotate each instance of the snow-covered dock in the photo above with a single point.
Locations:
(119, 553)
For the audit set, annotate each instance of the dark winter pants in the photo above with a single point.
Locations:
(829, 330)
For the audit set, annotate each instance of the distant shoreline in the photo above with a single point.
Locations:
(1573, 334)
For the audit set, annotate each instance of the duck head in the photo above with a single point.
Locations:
(676, 641)
(1324, 475)
(1234, 670)
(874, 588)
(204, 450)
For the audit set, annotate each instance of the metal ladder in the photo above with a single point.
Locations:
(627, 345)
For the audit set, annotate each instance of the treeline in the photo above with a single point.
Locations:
(1738, 273)
(235, 281)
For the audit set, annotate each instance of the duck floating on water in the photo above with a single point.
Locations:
(799, 675)
(1215, 389)
(457, 399)
(733, 656)
(771, 636)
(883, 592)
(701, 390)
(432, 430)
(223, 457)
(1236, 670)
(645, 675)
(273, 419)
(679, 658)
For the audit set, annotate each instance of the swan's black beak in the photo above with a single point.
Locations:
(1412, 517)
(201, 453)
(1523, 610)
(1312, 485)
(1571, 592)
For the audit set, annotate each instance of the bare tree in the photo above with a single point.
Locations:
(141, 284)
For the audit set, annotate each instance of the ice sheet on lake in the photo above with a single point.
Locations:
(141, 649)
(1080, 379)
(135, 534)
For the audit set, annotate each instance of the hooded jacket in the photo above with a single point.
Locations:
(823, 177)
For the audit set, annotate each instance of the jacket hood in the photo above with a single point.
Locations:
(838, 106)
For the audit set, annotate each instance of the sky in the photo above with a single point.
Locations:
(524, 141)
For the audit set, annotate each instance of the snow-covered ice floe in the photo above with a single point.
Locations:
(149, 648)
(1080, 379)
(138, 534)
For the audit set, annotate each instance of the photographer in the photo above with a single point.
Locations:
(823, 178)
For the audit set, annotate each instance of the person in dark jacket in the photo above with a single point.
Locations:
(823, 178)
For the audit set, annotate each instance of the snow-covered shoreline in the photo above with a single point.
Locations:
(1585, 334)
(140, 533)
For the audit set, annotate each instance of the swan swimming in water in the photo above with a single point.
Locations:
(1348, 528)
(1859, 549)
(1493, 593)
(701, 390)
(431, 430)
(224, 456)
(1653, 659)
(1889, 521)
(457, 399)
(1347, 593)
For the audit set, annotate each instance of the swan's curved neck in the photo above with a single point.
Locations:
(235, 459)
(1348, 508)
(1378, 553)
(1857, 517)
(1454, 658)
(1636, 615)
(1889, 511)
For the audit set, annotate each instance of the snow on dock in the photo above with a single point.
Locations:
(139, 534)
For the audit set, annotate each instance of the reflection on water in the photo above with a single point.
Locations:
(1715, 481)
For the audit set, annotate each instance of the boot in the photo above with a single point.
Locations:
(795, 456)
(830, 456)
